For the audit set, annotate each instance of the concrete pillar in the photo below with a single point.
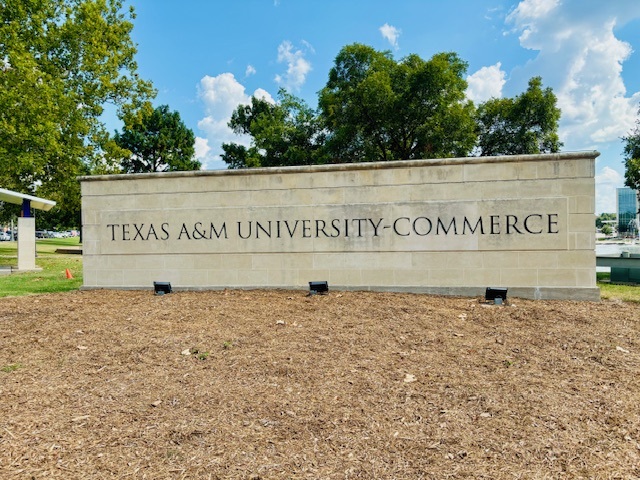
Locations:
(26, 243)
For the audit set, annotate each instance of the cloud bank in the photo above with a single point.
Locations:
(581, 58)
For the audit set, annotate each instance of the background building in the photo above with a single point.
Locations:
(627, 210)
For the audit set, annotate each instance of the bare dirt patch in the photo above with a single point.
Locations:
(276, 384)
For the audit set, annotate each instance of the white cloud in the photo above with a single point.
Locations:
(486, 83)
(309, 47)
(221, 95)
(297, 66)
(249, 71)
(528, 16)
(202, 148)
(581, 59)
(606, 183)
(491, 13)
(391, 34)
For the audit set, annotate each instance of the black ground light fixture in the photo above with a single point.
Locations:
(497, 295)
(160, 288)
(321, 288)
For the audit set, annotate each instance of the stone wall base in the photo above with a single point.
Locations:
(530, 293)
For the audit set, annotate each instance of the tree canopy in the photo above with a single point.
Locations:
(632, 158)
(61, 62)
(284, 133)
(600, 219)
(526, 124)
(376, 108)
(156, 141)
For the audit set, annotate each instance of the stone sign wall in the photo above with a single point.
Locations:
(449, 226)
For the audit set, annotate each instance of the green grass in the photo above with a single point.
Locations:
(52, 278)
(612, 291)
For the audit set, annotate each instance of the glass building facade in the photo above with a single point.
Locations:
(627, 210)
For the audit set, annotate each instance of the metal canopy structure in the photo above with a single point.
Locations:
(26, 225)
(28, 200)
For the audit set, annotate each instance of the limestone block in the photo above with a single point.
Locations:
(481, 276)
(411, 277)
(582, 222)
(534, 260)
(518, 277)
(256, 278)
(565, 277)
(582, 204)
(283, 278)
(355, 277)
(577, 258)
(224, 278)
(446, 277)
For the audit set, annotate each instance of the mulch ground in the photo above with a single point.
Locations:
(281, 385)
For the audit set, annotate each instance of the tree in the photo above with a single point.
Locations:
(632, 158)
(603, 217)
(376, 108)
(156, 141)
(526, 124)
(61, 61)
(284, 133)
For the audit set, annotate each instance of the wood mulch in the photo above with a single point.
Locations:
(350, 385)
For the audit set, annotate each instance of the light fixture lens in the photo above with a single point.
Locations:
(160, 288)
(318, 287)
(497, 295)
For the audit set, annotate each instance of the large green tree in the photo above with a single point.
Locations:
(526, 124)
(632, 158)
(61, 62)
(284, 133)
(376, 108)
(157, 141)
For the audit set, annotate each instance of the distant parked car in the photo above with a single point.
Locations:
(5, 236)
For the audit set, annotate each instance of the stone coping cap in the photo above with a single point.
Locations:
(590, 154)
(17, 198)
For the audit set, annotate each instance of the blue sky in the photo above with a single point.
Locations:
(205, 57)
